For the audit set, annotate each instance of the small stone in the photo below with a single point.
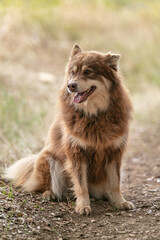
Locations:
(121, 232)
(84, 225)
(109, 214)
(47, 228)
(149, 212)
(132, 235)
(93, 221)
(29, 219)
(153, 190)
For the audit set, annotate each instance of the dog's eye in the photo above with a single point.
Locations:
(72, 73)
(87, 72)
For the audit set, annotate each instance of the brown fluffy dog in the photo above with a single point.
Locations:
(88, 137)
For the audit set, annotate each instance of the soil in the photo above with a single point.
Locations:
(27, 216)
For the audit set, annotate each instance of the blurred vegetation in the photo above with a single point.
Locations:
(130, 27)
(36, 37)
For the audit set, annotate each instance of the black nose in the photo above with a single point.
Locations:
(72, 87)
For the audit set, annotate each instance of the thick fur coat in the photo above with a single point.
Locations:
(87, 140)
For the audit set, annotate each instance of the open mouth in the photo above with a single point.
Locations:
(81, 97)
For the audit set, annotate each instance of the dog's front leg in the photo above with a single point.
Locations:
(113, 181)
(76, 166)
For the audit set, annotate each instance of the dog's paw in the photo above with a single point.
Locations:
(47, 195)
(83, 210)
(126, 205)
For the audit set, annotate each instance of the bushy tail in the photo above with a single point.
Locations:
(22, 173)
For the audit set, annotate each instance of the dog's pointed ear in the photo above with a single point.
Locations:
(112, 60)
(75, 50)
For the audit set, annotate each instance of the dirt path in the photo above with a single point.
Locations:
(26, 216)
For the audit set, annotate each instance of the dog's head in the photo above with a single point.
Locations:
(90, 75)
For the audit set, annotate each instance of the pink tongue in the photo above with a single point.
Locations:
(78, 98)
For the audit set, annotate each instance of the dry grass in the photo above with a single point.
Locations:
(35, 41)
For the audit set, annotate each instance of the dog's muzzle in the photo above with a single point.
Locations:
(72, 87)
